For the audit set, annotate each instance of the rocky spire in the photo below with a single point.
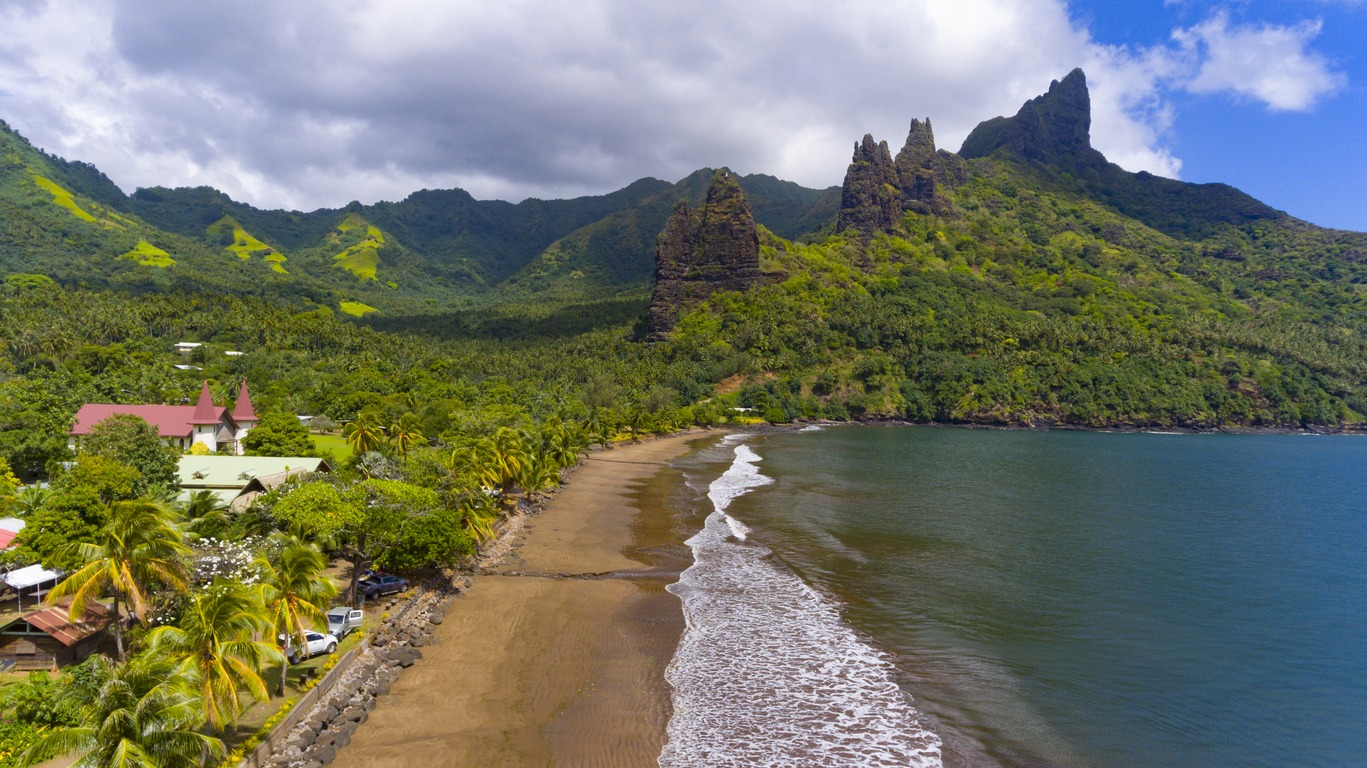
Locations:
(916, 168)
(1049, 128)
(700, 251)
(870, 200)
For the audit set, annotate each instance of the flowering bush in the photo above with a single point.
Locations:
(220, 558)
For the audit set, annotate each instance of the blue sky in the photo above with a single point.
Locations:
(1309, 162)
(314, 103)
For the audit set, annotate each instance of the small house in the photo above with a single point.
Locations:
(9, 528)
(48, 639)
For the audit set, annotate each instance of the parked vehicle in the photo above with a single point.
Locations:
(382, 584)
(342, 621)
(316, 643)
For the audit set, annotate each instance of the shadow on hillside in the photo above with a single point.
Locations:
(517, 321)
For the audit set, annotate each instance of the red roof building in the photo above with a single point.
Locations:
(179, 425)
(49, 639)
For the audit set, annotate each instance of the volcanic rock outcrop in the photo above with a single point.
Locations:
(714, 247)
(878, 190)
(1052, 128)
(870, 199)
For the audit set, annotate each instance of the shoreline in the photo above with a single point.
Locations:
(1318, 429)
(556, 654)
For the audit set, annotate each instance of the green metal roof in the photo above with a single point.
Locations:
(198, 472)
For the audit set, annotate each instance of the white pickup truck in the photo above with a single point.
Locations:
(343, 620)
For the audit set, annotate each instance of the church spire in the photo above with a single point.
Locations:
(205, 412)
(242, 411)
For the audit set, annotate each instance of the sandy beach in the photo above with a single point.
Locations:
(558, 657)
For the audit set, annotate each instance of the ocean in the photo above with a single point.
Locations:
(918, 596)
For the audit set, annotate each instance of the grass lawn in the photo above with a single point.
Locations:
(335, 444)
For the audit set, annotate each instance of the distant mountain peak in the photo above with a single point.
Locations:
(1048, 128)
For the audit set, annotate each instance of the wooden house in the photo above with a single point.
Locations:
(48, 639)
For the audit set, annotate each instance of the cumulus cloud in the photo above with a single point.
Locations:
(314, 102)
(1267, 62)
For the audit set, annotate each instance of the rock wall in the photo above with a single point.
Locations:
(323, 724)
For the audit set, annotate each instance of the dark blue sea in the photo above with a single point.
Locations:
(894, 596)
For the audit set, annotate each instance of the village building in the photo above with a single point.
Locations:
(237, 480)
(9, 528)
(47, 639)
(181, 426)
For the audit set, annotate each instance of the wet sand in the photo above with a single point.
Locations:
(538, 666)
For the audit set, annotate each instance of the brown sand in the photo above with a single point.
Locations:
(540, 670)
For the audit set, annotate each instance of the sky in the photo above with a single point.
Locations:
(314, 103)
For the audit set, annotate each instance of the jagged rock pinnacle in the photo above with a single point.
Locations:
(1048, 128)
(870, 200)
(700, 251)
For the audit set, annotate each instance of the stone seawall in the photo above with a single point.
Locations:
(326, 717)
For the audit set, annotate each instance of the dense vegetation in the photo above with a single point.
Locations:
(473, 349)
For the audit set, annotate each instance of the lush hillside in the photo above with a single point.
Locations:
(431, 250)
(1024, 280)
(1052, 287)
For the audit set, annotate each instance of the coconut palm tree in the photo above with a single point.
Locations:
(364, 434)
(295, 593)
(140, 717)
(138, 550)
(478, 516)
(638, 421)
(502, 458)
(202, 503)
(405, 433)
(213, 647)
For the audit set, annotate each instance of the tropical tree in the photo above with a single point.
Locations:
(637, 420)
(130, 440)
(31, 499)
(364, 434)
(9, 487)
(501, 458)
(138, 550)
(479, 514)
(278, 434)
(295, 593)
(405, 433)
(601, 426)
(376, 465)
(214, 647)
(141, 716)
(201, 504)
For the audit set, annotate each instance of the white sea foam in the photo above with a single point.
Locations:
(766, 673)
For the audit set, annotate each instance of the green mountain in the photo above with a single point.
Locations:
(432, 249)
(1022, 280)
(1026, 280)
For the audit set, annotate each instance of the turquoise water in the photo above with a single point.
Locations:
(1085, 599)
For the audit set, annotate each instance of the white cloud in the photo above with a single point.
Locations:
(313, 103)
(1268, 62)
